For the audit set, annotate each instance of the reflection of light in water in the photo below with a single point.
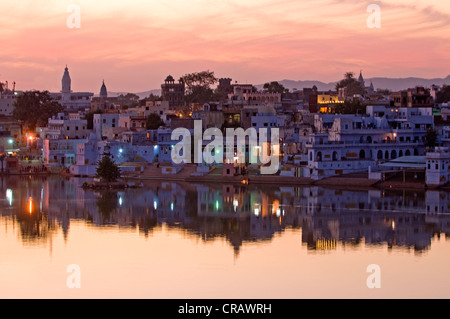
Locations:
(30, 205)
(9, 196)
(393, 225)
(120, 201)
(42, 199)
(155, 204)
(278, 212)
(256, 211)
(217, 205)
(171, 206)
(235, 204)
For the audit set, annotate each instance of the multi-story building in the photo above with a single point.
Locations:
(173, 92)
(66, 127)
(417, 97)
(7, 99)
(103, 121)
(351, 143)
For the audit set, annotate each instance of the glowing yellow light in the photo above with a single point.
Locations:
(30, 205)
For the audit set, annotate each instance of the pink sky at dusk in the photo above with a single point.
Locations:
(133, 45)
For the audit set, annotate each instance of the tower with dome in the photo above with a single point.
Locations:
(72, 101)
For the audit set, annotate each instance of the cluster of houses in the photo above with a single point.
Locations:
(315, 141)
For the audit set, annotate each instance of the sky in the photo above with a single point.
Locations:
(133, 45)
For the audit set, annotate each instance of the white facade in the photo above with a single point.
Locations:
(63, 127)
(351, 143)
(60, 152)
(438, 167)
(7, 104)
(103, 121)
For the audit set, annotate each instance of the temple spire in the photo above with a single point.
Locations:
(66, 81)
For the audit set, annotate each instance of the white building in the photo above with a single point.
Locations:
(7, 103)
(66, 127)
(103, 121)
(351, 143)
(438, 167)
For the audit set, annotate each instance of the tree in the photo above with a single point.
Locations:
(349, 75)
(430, 138)
(347, 80)
(154, 121)
(34, 108)
(443, 95)
(198, 87)
(274, 87)
(354, 88)
(204, 79)
(108, 170)
(152, 97)
(350, 107)
(90, 118)
(130, 96)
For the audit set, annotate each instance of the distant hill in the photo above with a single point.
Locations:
(140, 94)
(378, 83)
(392, 84)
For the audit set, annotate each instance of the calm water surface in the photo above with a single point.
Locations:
(175, 240)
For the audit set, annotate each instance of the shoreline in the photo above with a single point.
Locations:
(339, 182)
(342, 182)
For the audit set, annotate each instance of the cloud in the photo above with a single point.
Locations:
(255, 40)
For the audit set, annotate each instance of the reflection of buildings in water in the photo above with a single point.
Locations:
(21, 200)
(328, 217)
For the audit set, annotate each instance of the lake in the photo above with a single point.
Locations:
(180, 240)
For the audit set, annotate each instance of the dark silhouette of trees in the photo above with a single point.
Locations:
(274, 87)
(198, 87)
(430, 138)
(108, 170)
(34, 108)
(154, 121)
(443, 95)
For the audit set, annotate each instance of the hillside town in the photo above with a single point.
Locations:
(355, 131)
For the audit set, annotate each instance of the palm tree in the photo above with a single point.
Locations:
(349, 75)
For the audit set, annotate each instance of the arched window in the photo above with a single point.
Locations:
(335, 156)
(386, 155)
(362, 154)
(416, 152)
(400, 153)
(369, 139)
(380, 155)
(393, 154)
(407, 153)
